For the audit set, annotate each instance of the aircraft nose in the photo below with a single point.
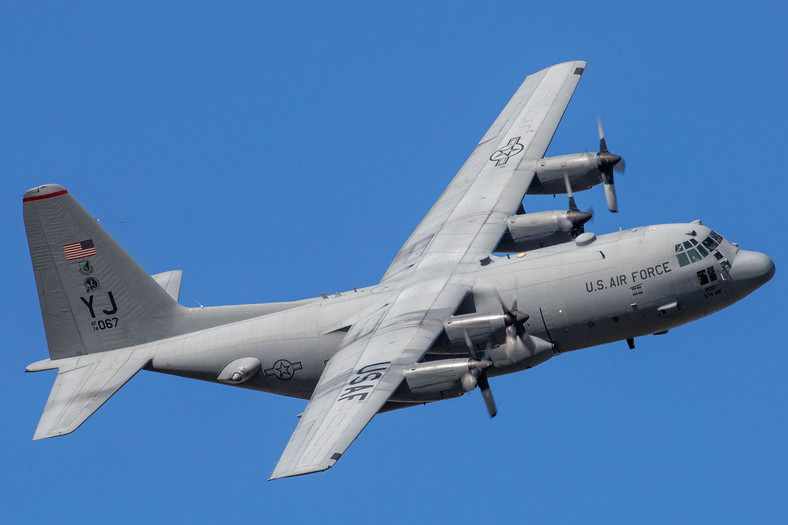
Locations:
(750, 270)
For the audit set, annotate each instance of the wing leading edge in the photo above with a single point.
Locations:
(463, 226)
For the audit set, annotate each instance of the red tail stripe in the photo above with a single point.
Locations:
(39, 197)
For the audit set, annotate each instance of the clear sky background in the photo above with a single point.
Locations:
(276, 151)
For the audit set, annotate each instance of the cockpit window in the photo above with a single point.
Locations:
(690, 251)
(716, 236)
(709, 243)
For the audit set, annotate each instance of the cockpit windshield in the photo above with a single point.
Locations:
(692, 251)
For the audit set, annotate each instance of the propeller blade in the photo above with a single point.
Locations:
(469, 344)
(572, 203)
(489, 402)
(602, 143)
(510, 344)
(610, 195)
(487, 350)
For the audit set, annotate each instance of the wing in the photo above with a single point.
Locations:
(362, 375)
(468, 218)
(463, 227)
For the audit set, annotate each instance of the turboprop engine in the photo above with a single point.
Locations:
(538, 230)
(545, 228)
(435, 380)
(583, 170)
(498, 329)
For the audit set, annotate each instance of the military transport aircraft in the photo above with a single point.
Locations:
(480, 289)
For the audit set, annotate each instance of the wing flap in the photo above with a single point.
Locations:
(82, 385)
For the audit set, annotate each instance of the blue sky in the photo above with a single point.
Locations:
(276, 151)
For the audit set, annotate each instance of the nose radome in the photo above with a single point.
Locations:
(751, 270)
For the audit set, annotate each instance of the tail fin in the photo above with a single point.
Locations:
(94, 297)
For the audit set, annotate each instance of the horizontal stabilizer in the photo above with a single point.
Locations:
(82, 385)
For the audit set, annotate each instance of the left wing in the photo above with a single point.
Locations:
(469, 218)
(463, 226)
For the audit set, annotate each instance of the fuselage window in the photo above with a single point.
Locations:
(683, 259)
(702, 250)
(694, 255)
(716, 236)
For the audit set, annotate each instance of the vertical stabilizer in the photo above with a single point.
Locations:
(94, 297)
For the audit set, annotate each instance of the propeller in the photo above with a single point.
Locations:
(514, 322)
(576, 217)
(515, 327)
(478, 376)
(607, 162)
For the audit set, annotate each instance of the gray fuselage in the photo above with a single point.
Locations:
(613, 287)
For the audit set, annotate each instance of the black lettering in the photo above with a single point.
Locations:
(368, 368)
(612, 282)
(89, 304)
(361, 396)
(369, 377)
(666, 267)
(589, 287)
(112, 302)
(650, 272)
(643, 275)
(600, 284)
(351, 389)
(634, 277)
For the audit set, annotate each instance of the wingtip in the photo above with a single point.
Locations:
(279, 474)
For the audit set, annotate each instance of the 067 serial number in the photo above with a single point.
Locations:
(105, 324)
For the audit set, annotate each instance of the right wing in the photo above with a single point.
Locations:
(363, 374)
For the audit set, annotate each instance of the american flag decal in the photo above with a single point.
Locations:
(79, 250)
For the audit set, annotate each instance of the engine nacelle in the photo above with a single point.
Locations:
(583, 170)
(538, 230)
(436, 380)
(475, 328)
